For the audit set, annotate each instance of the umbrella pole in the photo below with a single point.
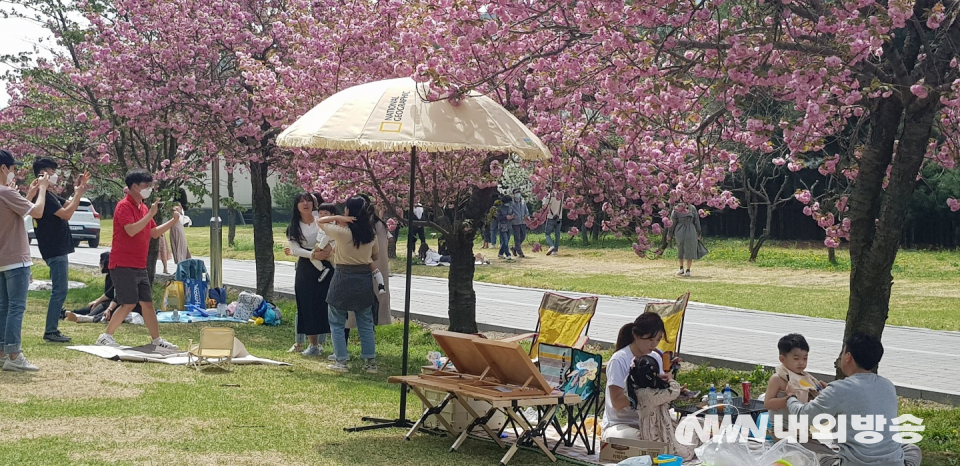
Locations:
(401, 422)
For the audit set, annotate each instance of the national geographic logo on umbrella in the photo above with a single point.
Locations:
(391, 120)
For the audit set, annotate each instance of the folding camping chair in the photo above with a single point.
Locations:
(579, 373)
(562, 321)
(215, 348)
(672, 314)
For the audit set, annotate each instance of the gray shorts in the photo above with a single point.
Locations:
(132, 285)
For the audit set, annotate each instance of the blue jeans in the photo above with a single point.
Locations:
(368, 338)
(504, 243)
(494, 232)
(59, 275)
(13, 303)
(553, 228)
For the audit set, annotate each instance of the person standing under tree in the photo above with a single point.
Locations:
(15, 260)
(554, 203)
(133, 227)
(55, 241)
(520, 216)
(312, 277)
(418, 230)
(351, 290)
(685, 228)
(178, 236)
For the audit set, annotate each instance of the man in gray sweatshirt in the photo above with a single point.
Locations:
(862, 393)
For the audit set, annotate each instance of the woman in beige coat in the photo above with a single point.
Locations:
(650, 394)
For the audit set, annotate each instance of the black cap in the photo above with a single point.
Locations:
(6, 159)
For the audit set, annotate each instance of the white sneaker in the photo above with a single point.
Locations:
(19, 365)
(107, 340)
(296, 348)
(339, 367)
(687, 273)
(370, 366)
(680, 272)
(332, 357)
(161, 343)
(313, 350)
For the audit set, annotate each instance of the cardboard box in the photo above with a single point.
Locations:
(615, 450)
(456, 416)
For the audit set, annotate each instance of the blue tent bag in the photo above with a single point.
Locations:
(195, 292)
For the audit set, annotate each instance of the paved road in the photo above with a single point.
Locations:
(736, 338)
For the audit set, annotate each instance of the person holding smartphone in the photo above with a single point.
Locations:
(15, 260)
(133, 227)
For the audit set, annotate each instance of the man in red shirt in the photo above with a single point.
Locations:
(133, 227)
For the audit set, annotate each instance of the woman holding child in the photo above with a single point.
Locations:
(313, 276)
(357, 248)
(637, 403)
(635, 340)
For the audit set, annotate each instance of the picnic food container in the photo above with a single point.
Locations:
(668, 460)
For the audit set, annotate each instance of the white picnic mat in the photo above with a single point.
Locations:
(152, 353)
(41, 285)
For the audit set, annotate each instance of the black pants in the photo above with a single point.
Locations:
(311, 298)
(419, 232)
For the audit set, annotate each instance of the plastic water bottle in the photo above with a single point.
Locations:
(176, 315)
(712, 400)
(727, 396)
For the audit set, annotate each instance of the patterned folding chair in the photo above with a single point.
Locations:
(582, 379)
(554, 363)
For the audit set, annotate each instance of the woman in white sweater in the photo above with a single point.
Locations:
(310, 284)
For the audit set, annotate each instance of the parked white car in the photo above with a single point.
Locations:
(84, 225)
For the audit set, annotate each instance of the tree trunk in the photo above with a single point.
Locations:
(463, 299)
(232, 213)
(767, 226)
(262, 228)
(877, 217)
(752, 213)
(832, 255)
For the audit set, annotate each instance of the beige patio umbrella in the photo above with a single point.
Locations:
(392, 115)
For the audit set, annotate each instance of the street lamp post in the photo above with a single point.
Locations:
(216, 237)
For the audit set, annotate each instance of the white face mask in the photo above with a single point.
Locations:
(11, 176)
(146, 192)
(53, 178)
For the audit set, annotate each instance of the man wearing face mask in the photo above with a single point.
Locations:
(133, 226)
(521, 214)
(55, 241)
(15, 261)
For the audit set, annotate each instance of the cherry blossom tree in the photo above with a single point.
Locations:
(638, 96)
(235, 73)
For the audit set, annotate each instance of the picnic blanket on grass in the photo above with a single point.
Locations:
(189, 318)
(152, 353)
(575, 454)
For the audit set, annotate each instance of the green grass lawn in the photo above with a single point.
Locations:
(83, 410)
(786, 278)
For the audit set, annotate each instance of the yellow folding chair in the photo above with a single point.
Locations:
(672, 314)
(215, 348)
(562, 321)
